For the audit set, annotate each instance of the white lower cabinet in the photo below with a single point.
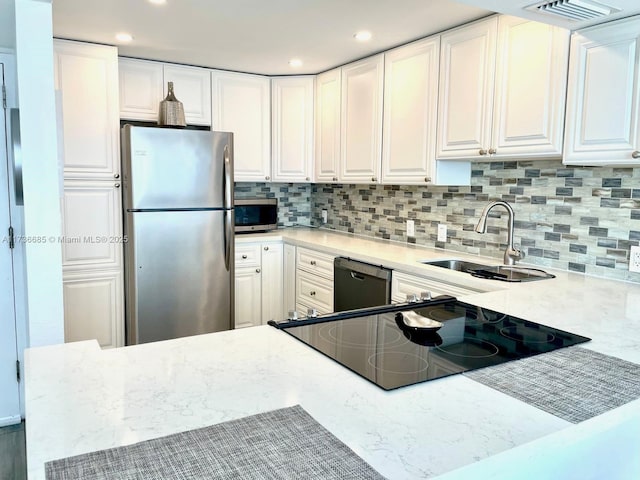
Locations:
(314, 281)
(93, 307)
(259, 284)
(403, 284)
(289, 264)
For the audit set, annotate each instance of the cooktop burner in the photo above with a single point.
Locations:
(377, 344)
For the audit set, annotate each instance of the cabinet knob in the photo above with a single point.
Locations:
(257, 270)
(424, 296)
(293, 315)
(116, 185)
(374, 179)
(492, 151)
(427, 179)
(307, 179)
(482, 151)
(635, 154)
(244, 257)
(266, 249)
(312, 312)
(312, 262)
(312, 293)
(116, 175)
(412, 298)
(335, 179)
(267, 177)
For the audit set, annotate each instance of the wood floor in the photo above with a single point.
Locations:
(13, 458)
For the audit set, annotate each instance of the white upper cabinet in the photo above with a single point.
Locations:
(86, 81)
(141, 89)
(327, 139)
(292, 128)
(192, 86)
(531, 81)
(241, 104)
(502, 90)
(361, 120)
(467, 69)
(410, 112)
(143, 85)
(603, 104)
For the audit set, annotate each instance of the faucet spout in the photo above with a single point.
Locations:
(511, 254)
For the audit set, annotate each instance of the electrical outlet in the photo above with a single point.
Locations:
(411, 228)
(442, 232)
(324, 216)
(634, 259)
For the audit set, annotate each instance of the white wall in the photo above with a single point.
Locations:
(41, 173)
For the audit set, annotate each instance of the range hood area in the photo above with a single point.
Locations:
(569, 14)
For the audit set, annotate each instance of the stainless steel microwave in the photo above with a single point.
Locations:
(256, 214)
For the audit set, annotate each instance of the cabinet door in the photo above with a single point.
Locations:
(272, 283)
(403, 284)
(327, 158)
(467, 70)
(140, 89)
(410, 112)
(93, 308)
(192, 86)
(531, 72)
(247, 297)
(361, 121)
(603, 103)
(91, 225)
(86, 78)
(292, 124)
(241, 104)
(289, 281)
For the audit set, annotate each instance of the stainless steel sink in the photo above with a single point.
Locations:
(494, 272)
(459, 265)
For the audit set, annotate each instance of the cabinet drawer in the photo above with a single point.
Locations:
(247, 255)
(314, 291)
(403, 285)
(315, 262)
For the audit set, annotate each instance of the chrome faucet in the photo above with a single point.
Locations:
(511, 254)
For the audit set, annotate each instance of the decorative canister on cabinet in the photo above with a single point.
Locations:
(171, 110)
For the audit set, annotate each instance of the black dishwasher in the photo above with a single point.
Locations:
(359, 285)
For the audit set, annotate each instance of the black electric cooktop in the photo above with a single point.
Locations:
(377, 344)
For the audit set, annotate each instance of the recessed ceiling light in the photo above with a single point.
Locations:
(158, 2)
(295, 62)
(124, 37)
(362, 36)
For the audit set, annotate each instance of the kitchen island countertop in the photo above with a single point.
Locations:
(80, 398)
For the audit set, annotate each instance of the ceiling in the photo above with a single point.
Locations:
(520, 8)
(257, 36)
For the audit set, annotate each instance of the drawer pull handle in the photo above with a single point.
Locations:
(636, 154)
(257, 270)
(313, 262)
(312, 293)
(244, 257)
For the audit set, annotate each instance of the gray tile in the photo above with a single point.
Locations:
(576, 267)
(575, 248)
(611, 182)
(564, 191)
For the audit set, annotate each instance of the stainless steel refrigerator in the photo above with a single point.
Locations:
(179, 224)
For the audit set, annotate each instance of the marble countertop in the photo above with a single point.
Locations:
(80, 398)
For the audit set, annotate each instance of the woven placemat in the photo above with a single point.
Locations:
(572, 383)
(281, 444)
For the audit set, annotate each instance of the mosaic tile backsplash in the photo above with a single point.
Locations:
(582, 219)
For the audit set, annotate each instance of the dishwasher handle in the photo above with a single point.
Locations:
(356, 276)
(359, 270)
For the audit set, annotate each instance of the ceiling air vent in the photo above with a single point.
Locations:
(575, 9)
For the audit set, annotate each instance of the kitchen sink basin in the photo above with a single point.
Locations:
(505, 273)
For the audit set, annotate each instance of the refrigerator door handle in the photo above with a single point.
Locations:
(228, 181)
(228, 237)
